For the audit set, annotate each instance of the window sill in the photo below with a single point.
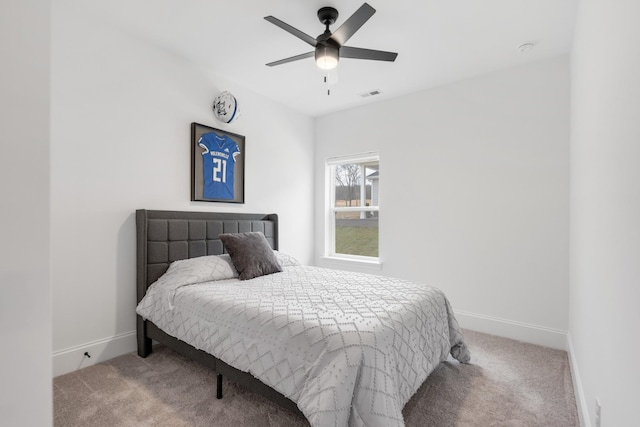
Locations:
(351, 264)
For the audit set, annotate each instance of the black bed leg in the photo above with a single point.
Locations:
(219, 386)
(144, 343)
(144, 348)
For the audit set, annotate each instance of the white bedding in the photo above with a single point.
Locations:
(348, 348)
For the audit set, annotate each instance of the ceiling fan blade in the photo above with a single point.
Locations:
(359, 53)
(288, 28)
(353, 24)
(291, 59)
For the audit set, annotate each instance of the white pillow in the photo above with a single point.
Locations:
(286, 260)
(198, 270)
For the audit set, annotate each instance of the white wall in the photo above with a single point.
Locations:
(605, 210)
(474, 193)
(121, 114)
(25, 312)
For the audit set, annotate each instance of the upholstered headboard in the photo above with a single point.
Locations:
(167, 236)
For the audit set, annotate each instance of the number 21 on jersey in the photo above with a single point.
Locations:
(219, 170)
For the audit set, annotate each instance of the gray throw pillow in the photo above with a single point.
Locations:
(251, 254)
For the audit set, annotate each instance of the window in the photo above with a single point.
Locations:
(354, 207)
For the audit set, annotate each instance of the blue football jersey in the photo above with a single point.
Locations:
(218, 165)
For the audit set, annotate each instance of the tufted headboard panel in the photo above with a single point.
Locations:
(167, 236)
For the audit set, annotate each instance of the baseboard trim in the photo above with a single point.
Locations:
(581, 401)
(73, 358)
(533, 334)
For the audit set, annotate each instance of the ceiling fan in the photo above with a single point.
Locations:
(329, 47)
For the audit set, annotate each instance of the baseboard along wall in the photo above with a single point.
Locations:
(520, 331)
(74, 358)
(581, 401)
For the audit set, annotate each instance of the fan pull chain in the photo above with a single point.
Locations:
(326, 80)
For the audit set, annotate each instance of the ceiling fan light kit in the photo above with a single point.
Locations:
(329, 47)
(327, 57)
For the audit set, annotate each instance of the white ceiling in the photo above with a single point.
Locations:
(438, 41)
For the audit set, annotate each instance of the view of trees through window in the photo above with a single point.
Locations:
(356, 208)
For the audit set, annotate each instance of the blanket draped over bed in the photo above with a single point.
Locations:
(348, 348)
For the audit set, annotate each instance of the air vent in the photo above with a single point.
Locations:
(371, 93)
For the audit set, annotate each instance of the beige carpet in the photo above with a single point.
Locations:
(508, 383)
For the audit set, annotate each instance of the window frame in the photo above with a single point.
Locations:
(332, 209)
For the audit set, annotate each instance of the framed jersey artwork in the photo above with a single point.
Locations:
(217, 165)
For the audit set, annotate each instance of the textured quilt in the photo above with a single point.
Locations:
(348, 348)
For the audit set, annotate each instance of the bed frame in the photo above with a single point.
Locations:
(167, 236)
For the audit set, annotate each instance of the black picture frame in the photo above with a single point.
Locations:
(217, 164)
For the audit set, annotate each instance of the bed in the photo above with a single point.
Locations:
(340, 348)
